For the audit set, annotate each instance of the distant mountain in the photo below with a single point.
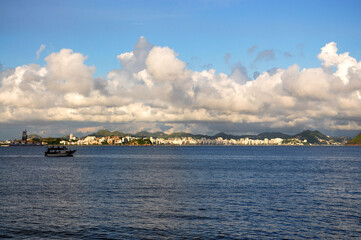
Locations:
(184, 134)
(146, 134)
(262, 136)
(341, 140)
(271, 135)
(65, 137)
(106, 133)
(116, 133)
(32, 136)
(101, 133)
(356, 140)
(313, 137)
(225, 136)
(143, 134)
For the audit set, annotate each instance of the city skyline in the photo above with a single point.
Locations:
(197, 66)
(105, 137)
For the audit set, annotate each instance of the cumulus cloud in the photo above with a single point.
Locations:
(66, 72)
(134, 61)
(239, 73)
(154, 88)
(343, 62)
(163, 65)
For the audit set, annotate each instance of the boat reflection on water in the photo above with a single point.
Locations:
(59, 151)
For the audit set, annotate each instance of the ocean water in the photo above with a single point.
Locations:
(198, 192)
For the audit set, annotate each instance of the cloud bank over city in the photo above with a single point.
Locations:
(154, 90)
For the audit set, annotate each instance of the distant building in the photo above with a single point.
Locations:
(25, 136)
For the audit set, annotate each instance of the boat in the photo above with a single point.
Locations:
(59, 151)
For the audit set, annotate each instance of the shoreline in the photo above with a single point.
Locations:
(282, 145)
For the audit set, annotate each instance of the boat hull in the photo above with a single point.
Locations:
(61, 154)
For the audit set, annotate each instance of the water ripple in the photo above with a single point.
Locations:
(182, 193)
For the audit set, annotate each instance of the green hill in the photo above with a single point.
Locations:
(341, 140)
(146, 134)
(106, 133)
(356, 140)
(180, 135)
(224, 136)
(32, 136)
(313, 137)
(143, 134)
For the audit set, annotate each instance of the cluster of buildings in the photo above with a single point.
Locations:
(131, 140)
(117, 140)
(92, 140)
(217, 141)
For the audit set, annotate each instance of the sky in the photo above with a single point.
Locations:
(206, 66)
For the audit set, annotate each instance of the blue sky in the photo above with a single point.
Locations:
(200, 40)
(201, 32)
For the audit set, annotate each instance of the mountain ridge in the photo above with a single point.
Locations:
(309, 136)
(355, 141)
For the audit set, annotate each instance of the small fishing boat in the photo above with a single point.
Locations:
(59, 151)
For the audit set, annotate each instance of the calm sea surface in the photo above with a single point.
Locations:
(181, 193)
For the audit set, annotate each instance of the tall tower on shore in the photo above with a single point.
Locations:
(25, 136)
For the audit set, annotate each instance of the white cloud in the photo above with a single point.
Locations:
(343, 61)
(68, 73)
(306, 84)
(154, 86)
(163, 65)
